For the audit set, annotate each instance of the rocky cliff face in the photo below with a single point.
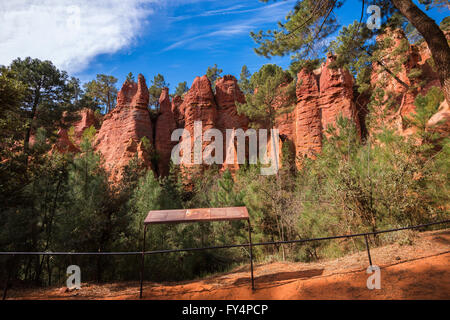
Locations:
(308, 120)
(336, 96)
(322, 95)
(198, 105)
(214, 110)
(413, 67)
(122, 133)
(70, 139)
(165, 125)
(227, 95)
(178, 114)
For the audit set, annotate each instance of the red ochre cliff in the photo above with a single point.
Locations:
(322, 96)
(126, 128)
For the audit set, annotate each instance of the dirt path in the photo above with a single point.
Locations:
(418, 271)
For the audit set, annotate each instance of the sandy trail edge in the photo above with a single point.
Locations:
(418, 271)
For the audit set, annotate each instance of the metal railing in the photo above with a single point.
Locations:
(364, 234)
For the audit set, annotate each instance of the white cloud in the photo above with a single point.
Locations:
(70, 33)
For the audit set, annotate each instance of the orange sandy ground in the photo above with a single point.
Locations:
(418, 271)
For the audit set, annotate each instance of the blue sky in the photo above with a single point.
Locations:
(181, 40)
(177, 38)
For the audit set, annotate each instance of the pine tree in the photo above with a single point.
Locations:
(265, 105)
(12, 128)
(130, 77)
(146, 196)
(103, 91)
(213, 73)
(47, 97)
(244, 80)
(311, 22)
(157, 84)
(181, 88)
(226, 195)
(426, 106)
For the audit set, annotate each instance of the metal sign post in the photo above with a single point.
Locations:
(142, 260)
(196, 215)
(251, 252)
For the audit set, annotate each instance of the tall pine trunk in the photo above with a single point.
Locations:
(29, 127)
(434, 37)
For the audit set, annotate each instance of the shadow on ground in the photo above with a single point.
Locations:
(281, 276)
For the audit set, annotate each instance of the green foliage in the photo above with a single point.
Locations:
(244, 81)
(226, 195)
(152, 194)
(396, 167)
(146, 143)
(103, 91)
(69, 205)
(130, 77)
(89, 195)
(271, 83)
(306, 28)
(426, 106)
(11, 121)
(354, 54)
(89, 134)
(155, 90)
(151, 151)
(445, 24)
(49, 94)
(308, 65)
(415, 73)
(148, 196)
(213, 73)
(181, 89)
(34, 95)
(306, 25)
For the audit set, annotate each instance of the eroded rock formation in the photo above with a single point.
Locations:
(227, 95)
(177, 112)
(415, 75)
(198, 105)
(165, 125)
(322, 96)
(308, 124)
(69, 139)
(336, 96)
(122, 134)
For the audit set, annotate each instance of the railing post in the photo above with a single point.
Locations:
(251, 253)
(368, 249)
(142, 261)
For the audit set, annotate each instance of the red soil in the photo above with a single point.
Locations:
(417, 271)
